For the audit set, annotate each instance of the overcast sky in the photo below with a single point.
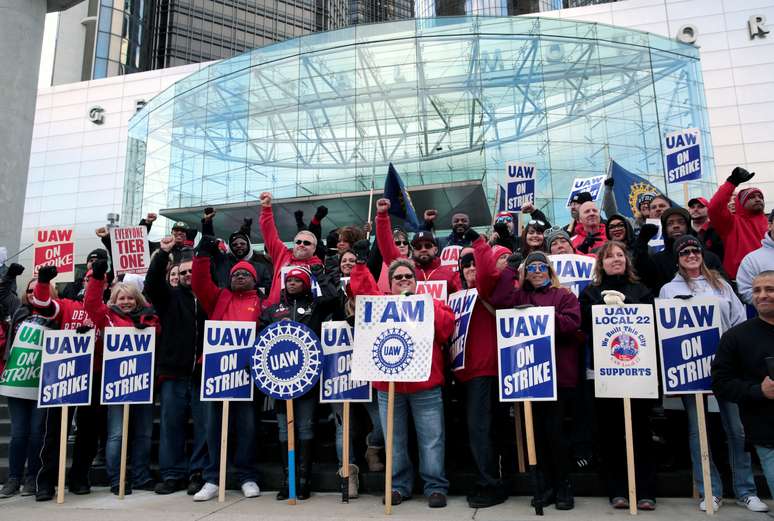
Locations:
(47, 54)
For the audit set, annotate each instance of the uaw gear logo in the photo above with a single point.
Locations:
(393, 351)
(636, 191)
(624, 348)
(287, 360)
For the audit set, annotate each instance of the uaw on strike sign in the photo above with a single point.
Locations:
(336, 382)
(127, 365)
(55, 247)
(131, 253)
(227, 350)
(689, 332)
(394, 338)
(66, 371)
(526, 359)
(624, 343)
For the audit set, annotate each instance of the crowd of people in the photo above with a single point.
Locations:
(722, 247)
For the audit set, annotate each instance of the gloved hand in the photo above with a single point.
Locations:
(14, 270)
(613, 298)
(361, 250)
(331, 240)
(208, 245)
(739, 175)
(81, 330)
(501, 229)
(98, 269)
(321, 212)
(683, 297)
(299, 215)
(247, 224)
(471, 235)
(588, 243)
(647, 232)
(609, 181)
(514, 261)
(47, 273)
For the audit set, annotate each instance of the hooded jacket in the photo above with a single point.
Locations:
(222, 303)
(630, 236)
(390, 252)
(363, 283)
(732, 311)
(280, 255)
(754, 263)
(567, 319)
(182, 321)
(741, 231)
(225, 260)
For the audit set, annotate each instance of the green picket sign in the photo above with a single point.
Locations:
(21, 375)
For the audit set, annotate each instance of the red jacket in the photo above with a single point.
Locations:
(222, 303)
(280, 255)
(741, 232)
(481, 347)
(110, 316)
(362, 283)
(68, 314)
(390, 252)
(567, 320)
(580, 236)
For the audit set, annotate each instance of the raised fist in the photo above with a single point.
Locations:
(98, 269)
(209, 213)
(383, 205)
(361, 249)
(102, 232)
(471, 235)
(321, 212)
(151, 217)
(609, 181)
(739, 175)
(647, 232)
(528, 207)
(430, 214)
(14, 270)
(46, 274)
(266, 199)
(166, 244)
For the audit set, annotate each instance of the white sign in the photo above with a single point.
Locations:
(127, 365)
(450, 256)
(394, 337)
(226, 360)
(657, 242)
(435, 288)
(575, 272)
(519, 185)
(624, 343)
(592, 185)
(131, 253)
(682, 155)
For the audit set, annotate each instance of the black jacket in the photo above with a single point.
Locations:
(635, 293)
(182, 322)
(737, 372)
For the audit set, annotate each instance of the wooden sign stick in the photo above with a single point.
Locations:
(630, 456)
(63, 424)
(222, 471)
(291, 454)
(532, 457)
(705, 460)
(388, 449)
(124, 446)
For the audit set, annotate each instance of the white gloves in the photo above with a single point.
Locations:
(613, 298)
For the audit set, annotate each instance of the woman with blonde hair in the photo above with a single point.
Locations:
(125, 308)
(694, 279)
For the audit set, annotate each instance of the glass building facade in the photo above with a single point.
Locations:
(449, 101)
(122, 36)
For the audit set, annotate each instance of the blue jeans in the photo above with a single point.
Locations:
(241, 426)
(766, 455)
(140, 431)
(375, 438)
(738, 459)
(303, 417)
(177, 396)
(426, 408)
(26, 437)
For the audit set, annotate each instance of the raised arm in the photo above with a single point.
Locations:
(9, 298)
(486, 270)
(156, 285)
(504, 294)
(92, 300)
(384, 238)
(361, 282)
(201, 280)
(275, 247)
(720, 216)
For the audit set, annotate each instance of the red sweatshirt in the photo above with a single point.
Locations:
(222, 303)
(481, 347)
(390, 252)
(68, 314)
(362, 283)
(280, 254)
(741, 232)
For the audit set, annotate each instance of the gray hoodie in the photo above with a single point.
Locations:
(754, 262)
(732, 311)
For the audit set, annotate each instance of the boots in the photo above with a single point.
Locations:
(565, 499)
(354, 482)
(283, 492)
(304, 456)
(372, 458)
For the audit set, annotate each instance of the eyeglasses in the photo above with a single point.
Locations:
(401, 243)
(536, 267)
(689, 251)
(299, 242)
(537, 222)
(241, 274)
(618, 226)
(184, 272)
(403, 276)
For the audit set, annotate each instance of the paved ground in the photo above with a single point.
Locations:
(147, 506)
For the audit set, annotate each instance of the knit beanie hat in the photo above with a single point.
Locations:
(555, 233)
(686, 241)
(745, 194)
(499, 250)
(302, 274)
(244, 265)
(536, 256)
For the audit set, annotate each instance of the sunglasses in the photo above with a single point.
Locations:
(424, 246)
(618, 226)
(537, 268)
(401, 243)
(184, 272)
(689, 251)
(403, 276)
(505, 219)
(299, 242)
(241, 274)
(537, 222)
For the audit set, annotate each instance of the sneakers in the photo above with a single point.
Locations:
(397, 498)
(169, 486)
(250, 489)
(716, 502)
(646, 504)
(207, 492)
(485, 497)
(30, 486)
(374, 462)
(620, 503)
(195, 483)
(10, 489)
(565, 499)
(753, 503)
(436, 500)
(44, 494)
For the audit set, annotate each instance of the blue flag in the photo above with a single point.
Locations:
(400, 200)
(629, 189)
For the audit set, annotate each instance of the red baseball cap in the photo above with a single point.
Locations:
(701, 200)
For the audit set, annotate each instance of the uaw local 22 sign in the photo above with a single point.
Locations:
(689, 333)
(336, 382)
(682, 155)
(575, 272)
(228, 348)
(394, 337)
(66, 371)
(624, 343)
(127, 365)
(287, 359)
(526, 360)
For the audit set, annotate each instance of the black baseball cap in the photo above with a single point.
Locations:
(180, 225)
(583, 197)
(423, 236)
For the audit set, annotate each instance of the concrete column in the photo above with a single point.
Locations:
(21, 38)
